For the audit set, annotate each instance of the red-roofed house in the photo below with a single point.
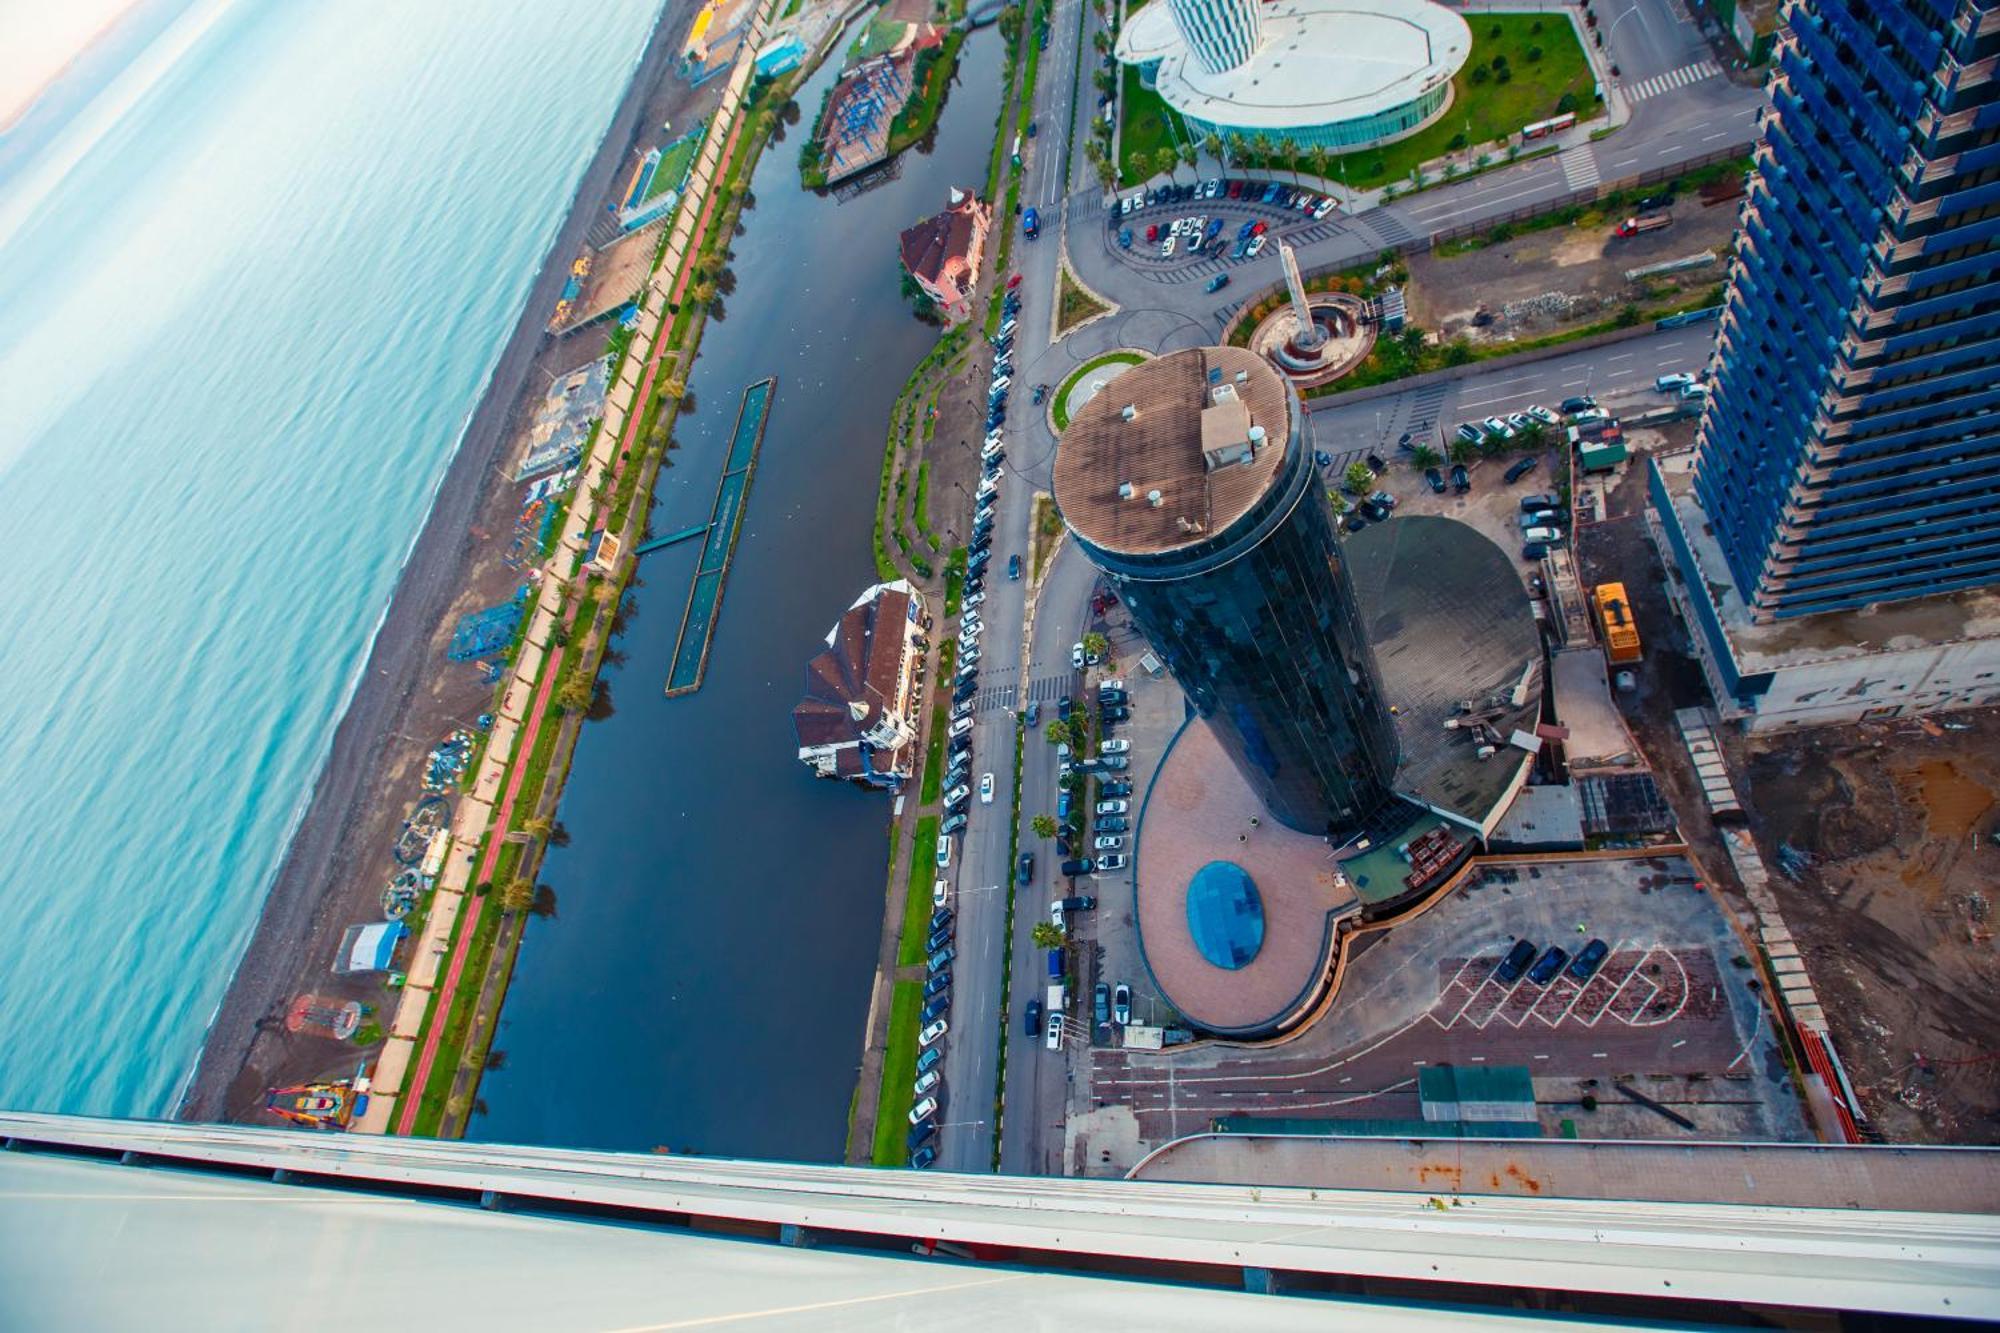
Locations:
(859, 717)
(943, 253)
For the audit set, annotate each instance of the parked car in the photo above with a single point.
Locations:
(924, 1109)
(1470, 432)
(1116, 763)
(1673, 382)
(1114, 824)
(943, 852)
(1520, 421)
(1115, 789)
(1583, 402)
(1100, 1003)
(1109, 842)
(930, 1035)
(936, 1009)
(940, 960)
(1121, 1004)
(940, 893)
(1024, 870)
(1435, 480)
(1495, 426)
(1532, 551)
(1256, 244)
(1053, 1032)
(1539, 518)
(1588, 959)
(1515, 963)
(1115, 713)
(1115, 747)
(923, 1131)
(1077, 866)
(937, 985)
(1544, 415)
(1112, 807)
(1546, 536)
(1115, 861)
(1355, 521)
(938, 939)
(1545, 968)
(1461, 480)
(923, 1157)
(929, 1060)
(1520, 468)
(952, 824)
(1034, 1017)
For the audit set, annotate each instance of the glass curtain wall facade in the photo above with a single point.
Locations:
(1360, 132)
(1220, 33)
(1850, 451)
(1259, 625)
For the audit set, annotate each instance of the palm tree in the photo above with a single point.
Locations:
(1107, 174)
(541, 828)
(1048, 935)
(1321, 157)
(1096, 644)
(1167, 160)
(1043, 825)
(1215, 148)
(1057, 731)
(517, 896)
(1424, 456)
(1190, 155)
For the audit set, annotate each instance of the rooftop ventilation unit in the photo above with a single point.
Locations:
(1125, 491)
(1155, 499)
(1128, 411)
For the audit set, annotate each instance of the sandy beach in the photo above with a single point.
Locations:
(408, 694)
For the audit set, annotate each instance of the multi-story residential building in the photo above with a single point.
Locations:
(1849, 454)
(859, 718)
(1189, 482)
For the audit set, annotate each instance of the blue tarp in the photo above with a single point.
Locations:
(369, 948)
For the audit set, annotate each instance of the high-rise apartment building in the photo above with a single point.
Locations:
(1188, 480)
(1850, 452)
(1221, 34)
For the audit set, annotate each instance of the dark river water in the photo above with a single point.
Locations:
(704, 982)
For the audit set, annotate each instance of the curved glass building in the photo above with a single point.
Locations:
(1190, 483)
(1335, 74)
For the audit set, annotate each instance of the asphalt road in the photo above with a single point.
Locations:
(1165, 307)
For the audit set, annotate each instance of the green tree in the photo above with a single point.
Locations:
(1213, 145)
(1048, 935)
(541, 828)
(1096, 644)
(1322, 158)
(1358, 477)
(1265, 147)
(1424, 456)
(1461, 449)
(517, 896)
(1457, 352)
(1107, 174)
(1057, 731)
(1336, 502)
(1043, 825)
(1533, 436)
(576, 695)
(1167, 160)
(1190, 155)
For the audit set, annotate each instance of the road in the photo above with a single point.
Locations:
(1681, 109)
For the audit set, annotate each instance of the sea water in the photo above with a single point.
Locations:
(242, 326)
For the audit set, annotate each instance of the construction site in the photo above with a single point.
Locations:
(1880, 842)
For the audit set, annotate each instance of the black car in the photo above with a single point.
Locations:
(937, 1009)
(1116, 713)
(1354, 522)
(1114, 824)
(1033, 1025)
(1515, 963)
(1375, 510)
(1581, 403)
(1534, 551)
(1435, 480)
(937, 985)
(939, 937)
(1080, 903)
(1521, 468)
(1080, 866)
(1461, 480)
(965, 691)
(1545, 968)
(921, 1131)
(1107, 695)
(922, 1157)
(1587, 960)
(1375, 463)
(1024, 871)
(1063, 706)
(940, 917)
(1110, 789)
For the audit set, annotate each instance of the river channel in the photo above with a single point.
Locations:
(703, 983)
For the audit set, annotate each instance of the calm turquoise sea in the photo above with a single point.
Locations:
(238, 343)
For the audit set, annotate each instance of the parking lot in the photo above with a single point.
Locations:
(1127, 241)
(1492, 505)
(1670, 1011)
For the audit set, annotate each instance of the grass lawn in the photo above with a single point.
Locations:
(917, 902)
(1075, 376)
(899, 1071)
(1483, 112)
(675, 159)
(932, 76)
(1150, 125)
(1073, 304)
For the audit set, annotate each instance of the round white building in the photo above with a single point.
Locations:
(1335, 74)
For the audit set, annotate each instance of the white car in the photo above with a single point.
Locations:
(927, 1080)
(1119, 746)
(923, 1110)
(1056, 914)
(930, 1034)
(1520, 421)
(1256, 244)
(1115, 684)
(992, 453)
(1114, 861)
(1167, 247)
(1110, 842)
(976, 598)
(1694, 391)
(1495, 426)
(1001, 381)
(944, 852)
(1076, 656)
(957, 795)
(1054, 1032)
(1324, 207)
(1671, 383)
(1113, 807)
(970, 620)
(940, 893)
(1545, 415)
(968, 660)
(986, 789)
(962, 710)
(960, 727)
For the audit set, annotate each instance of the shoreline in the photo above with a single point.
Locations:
(320, 851)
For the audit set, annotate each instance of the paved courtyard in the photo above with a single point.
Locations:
(1670, 1009)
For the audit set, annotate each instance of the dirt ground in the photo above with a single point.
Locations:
(1550, 280)
(1879, 841)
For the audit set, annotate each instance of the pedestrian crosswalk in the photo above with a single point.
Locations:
(1386, 225)
(1579, 166)
(1672, 79)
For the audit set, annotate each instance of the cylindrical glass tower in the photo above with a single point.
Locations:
(1189, 482)
(1220, 33)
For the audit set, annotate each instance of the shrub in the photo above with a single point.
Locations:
(1493, 31)
(1534, 54)
(1504, 76)
(1566, 104)
(1456, 142)
(1500, 61)
(1480, 74)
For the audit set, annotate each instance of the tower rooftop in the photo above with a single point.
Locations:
(1206, 431)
